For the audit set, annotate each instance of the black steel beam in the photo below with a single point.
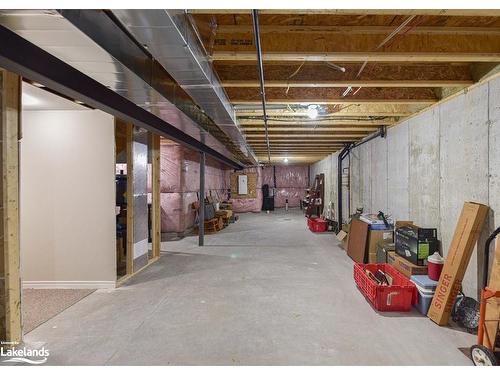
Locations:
(28, 60)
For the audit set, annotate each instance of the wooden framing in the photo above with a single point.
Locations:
(130, 200)
(356, 83)
(361, 56)
(156, 200)
(341, 61)
(423, 12)
(10, 278)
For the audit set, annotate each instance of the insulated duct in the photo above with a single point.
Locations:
(171, 39)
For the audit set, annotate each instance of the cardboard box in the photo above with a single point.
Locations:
(467, 232)
(374, 236)
(404, 266)
(416, 244)
(343, 238)
(384, 247)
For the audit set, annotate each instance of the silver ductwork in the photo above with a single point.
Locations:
(170, 38)
(49, 30)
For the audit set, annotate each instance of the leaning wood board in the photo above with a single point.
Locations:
(469, 226)
(493, 306)
(356, 245)
(252, 185)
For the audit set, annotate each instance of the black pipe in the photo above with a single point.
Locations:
(487, 256)
(380, 133)
(256, 31)
(343, 154)
(341, 157)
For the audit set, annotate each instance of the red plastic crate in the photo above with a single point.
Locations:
(397, 297)
(317, 225)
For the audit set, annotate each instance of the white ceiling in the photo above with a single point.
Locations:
(36, 99)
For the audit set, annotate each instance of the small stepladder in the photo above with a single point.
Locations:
(317, 197)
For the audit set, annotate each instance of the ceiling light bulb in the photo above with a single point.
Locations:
(285, 160)
(312, 112)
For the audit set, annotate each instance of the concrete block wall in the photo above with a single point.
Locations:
(428, 166)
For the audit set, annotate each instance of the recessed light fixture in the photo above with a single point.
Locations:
(79, 102)
(285, 160)
(312, 111)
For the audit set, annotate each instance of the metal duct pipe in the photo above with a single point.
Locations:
(256, 30)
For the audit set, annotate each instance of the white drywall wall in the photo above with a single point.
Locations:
(68, 198)
(428, 166)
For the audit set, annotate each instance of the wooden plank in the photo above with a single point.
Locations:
(419, 12)
(320, 121)
(10, 109)
(156, 200)
(353, 83)
(493, 306)
(309, 128)
(359, 56)
(300, 136)
(130, 199)
(252, 185)
(348, 99)
(361, 29)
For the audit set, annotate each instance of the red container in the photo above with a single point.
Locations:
(398, 297)
(317, 225)
(435, 265)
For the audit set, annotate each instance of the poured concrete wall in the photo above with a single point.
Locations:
(428, 166)
(328, 166)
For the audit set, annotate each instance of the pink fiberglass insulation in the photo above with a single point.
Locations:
(294, 195)
(292, 176)
(176, 212)
(180, 184)
(268, 176)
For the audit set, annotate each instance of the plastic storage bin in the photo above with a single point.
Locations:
(317, 225)
(425, 292)
(397, 297)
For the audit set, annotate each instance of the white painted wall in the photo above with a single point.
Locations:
(428, 166)
(68, 199)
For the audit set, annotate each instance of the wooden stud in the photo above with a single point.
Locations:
(130, 199)
(156, 202)
(10, 278)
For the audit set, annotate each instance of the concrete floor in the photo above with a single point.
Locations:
(263, 291)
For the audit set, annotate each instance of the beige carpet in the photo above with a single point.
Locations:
(39, 305)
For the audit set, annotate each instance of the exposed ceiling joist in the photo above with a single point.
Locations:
(361, 56)
(309, 29)
(355, 83)
(346, 100)
(321, 129)
(423, 12)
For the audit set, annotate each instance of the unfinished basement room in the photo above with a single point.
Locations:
(250, 187)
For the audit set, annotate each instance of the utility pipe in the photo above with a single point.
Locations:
(256, 31)
(343, 154)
